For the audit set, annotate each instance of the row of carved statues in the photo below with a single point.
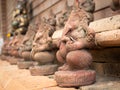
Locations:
(58, 45)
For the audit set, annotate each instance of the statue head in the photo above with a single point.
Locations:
(87, 5)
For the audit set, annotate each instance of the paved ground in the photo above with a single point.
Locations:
(12, 78)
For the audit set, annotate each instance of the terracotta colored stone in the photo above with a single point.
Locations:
(75, 78)
(106, 85)
(32, 82)
(26, 64)
(13, 60)
(43, 70)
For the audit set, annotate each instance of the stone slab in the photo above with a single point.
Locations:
(15, 85)
(107, 69)
(108, 38)
(105, 84)
(32, 82)
(106, 24)
(110, 55)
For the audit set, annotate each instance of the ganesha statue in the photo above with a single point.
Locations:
(26, 46)
(13, 48)
(76, 40)
(115, 5)
(43, 50)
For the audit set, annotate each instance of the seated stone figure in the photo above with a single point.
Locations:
(75, 41)
(13, 48)
(115, 5)
(26, 46)
(43, 49)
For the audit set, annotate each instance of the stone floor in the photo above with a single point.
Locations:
(12, 78)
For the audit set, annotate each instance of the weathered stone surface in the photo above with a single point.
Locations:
(101, 4)
(107, 69)
(106, 85)
(13, 60)
(112, 69)
(108, 38)
(43, 70)
(106, 24)
(1, 88)
(31, 83)
(98, 67)
(106, 55)
(58, 88)
(75, 78)
(26, 64)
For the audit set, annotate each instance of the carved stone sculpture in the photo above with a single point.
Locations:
(115, 5)
(20, 18)
(26, 46)
(43, 49)
(13, 48)
(75, 41)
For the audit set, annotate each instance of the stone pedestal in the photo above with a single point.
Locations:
(43, 69)
(13, 60)
(26, 64)
(75, 78)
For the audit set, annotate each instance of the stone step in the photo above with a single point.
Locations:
(104, 83)
(106, 24)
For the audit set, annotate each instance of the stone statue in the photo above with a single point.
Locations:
(75, 41)
(115, 5)
(43, 49)
(20, 18)
(15, 44)
(26, 46)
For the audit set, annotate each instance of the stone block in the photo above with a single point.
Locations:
(98, 67)
(106, 55)
(112, 69)
(31, 83)
(108, 38)
(7, 76)
(15, 85)
(110, 85)
(106, 24)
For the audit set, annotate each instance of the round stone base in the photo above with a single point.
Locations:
(13, 60)
(75, 78)
(3, 57)
(43, 70)
(25, 64)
